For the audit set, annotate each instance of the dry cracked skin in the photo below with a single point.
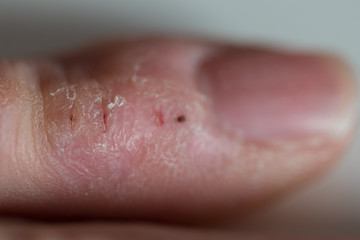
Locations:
(166, 130)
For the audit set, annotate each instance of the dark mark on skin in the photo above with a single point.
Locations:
(181, 118)
(105, 119)
(160, 117)
(72, 119)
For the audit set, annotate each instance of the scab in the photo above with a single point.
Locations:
(181, 118)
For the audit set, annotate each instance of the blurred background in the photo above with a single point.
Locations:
(332, 204)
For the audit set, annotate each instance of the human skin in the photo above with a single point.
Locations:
(167, 130)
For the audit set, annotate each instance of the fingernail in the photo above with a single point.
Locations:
(267, 95)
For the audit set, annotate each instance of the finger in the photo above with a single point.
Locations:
(108, 231)
(103, 231)
(166, 130)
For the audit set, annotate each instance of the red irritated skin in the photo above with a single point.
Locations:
(166, 130)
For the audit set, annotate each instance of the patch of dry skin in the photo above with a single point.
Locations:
(105, 139)
(140, 136)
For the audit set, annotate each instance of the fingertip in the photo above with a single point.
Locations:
(272, 95)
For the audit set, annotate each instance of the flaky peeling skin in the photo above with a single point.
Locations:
(127, 130)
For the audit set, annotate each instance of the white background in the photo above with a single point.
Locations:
(329, 206)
